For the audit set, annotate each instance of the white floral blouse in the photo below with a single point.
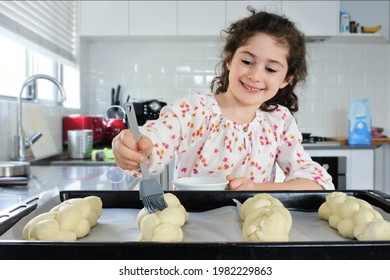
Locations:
(208, 144)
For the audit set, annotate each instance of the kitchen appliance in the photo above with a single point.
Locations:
(79, 122)
(336, 167)
(148, 110)
(113, 123)
(309, 140)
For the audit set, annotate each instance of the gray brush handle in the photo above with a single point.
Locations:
(133, 125)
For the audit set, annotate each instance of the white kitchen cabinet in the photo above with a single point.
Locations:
(104, 18)
(201, 17)
(153, 18)
(360, 173)
(382, 167)
(238, 9)
(314, 18)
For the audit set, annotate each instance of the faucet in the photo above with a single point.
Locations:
(20, 142)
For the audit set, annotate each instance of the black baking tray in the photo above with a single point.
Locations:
(196, 201)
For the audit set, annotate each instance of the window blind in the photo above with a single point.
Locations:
(48, 24)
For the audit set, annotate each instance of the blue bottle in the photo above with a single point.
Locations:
(359, 122)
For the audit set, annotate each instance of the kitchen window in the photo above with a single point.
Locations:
(39, 37)
(22, 62)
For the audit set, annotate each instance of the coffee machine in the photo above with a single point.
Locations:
(148, 110)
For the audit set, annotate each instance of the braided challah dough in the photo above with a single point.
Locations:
(164, 225)
(265, 219)
(68, 221)
(354, 217)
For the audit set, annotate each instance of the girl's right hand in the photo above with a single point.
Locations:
(128, 153)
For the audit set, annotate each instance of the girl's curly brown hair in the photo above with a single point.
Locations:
(284, 32)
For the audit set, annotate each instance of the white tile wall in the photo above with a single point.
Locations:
(339, 73)
(170, 69)
(154, 69)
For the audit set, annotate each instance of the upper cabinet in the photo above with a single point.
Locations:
(314, 18)
(208, 18)
(104, 18)
(153, 18)
(127, 18)
(201, 17)
(238, 9)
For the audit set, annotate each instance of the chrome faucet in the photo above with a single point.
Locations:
(20, 142)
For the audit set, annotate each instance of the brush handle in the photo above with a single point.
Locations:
(133, 126)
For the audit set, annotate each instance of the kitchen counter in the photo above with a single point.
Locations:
(66, 177)
(374, 141)
(324, 146)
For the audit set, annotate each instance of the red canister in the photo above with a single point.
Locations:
(80, 122)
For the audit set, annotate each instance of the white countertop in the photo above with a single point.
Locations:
(45, 178)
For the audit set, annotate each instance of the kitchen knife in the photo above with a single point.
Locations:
(112, 96)
(117, 102)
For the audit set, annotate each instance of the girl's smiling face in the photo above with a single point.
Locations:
(257, 71)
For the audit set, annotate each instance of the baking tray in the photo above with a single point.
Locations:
(198, 201)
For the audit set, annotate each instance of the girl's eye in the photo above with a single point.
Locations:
(271, 70)
(247, 62)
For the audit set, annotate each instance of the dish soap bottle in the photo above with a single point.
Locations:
(359, 122)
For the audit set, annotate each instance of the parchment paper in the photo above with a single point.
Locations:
(217, 225)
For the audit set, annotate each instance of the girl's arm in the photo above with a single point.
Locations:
(240, 184)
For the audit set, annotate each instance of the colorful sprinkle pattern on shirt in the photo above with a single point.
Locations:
(208, 144)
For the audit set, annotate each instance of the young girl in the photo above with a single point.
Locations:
(244, 129)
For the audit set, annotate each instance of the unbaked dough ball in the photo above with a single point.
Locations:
(331, 204)
(141, 215)
(265, 219)
(377, 230)
(167, 232)
(148, 224)
(91, 207)
(173, 215)
(272, 223)
(256, 202)
(163, 225)
(68, 221)
(353, 217)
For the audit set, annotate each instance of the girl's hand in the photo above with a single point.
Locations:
(127, 152)
(236, 184)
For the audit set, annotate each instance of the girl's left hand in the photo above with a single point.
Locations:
(242, 183)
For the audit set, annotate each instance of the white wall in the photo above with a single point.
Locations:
(170, 69)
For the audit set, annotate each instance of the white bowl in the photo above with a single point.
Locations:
(200, 184)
